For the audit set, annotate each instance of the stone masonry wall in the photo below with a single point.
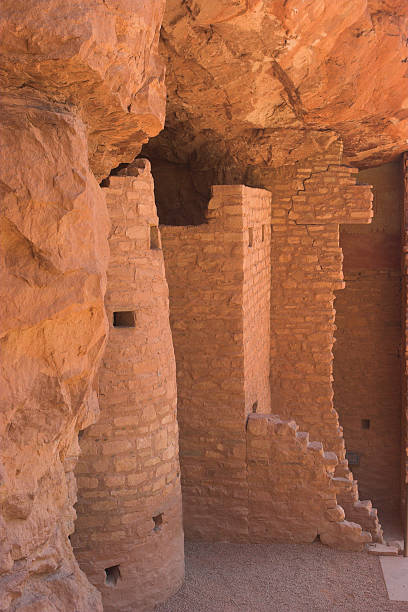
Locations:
(367, 375)
(129, 537)
(256, 302)
(307, 208)
(308, 204)
(246, 477)
(292, 488)
(219, 286)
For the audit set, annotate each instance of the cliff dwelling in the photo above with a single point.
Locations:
(204, 301)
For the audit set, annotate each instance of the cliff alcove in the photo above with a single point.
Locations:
(179, 182)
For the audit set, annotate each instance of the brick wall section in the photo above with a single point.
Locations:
(307, 207)
(246, 477)
(256, 301)
(309, 201)
(219, 289)
(367, 387)
(292, 488)
(128, 471)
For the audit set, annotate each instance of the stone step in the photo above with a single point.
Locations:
(383, 550)
(330, 459)
(303, 437)
(342, 484)
(374, 514)
(342, 471)
(364, 505)
(398, 543)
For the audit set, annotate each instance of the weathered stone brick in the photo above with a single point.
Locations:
(138, 392)
(231, 303)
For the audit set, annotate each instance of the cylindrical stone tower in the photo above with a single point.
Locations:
(129, 537)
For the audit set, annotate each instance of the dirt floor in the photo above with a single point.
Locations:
(280, 577)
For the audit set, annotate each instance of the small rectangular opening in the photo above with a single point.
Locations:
(158, 521)
(263, 233)
(124, 318)
(154, 237)
(255, 407)
(353, 458)
(365, 423)
(112, 575)
(250, 236)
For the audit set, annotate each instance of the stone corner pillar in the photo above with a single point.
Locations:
(129, 536)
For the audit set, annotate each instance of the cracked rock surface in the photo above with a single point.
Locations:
(255, 82)
(100, 58)
(82, 87)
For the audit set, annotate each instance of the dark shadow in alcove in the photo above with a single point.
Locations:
(367, 364)
(182, 194)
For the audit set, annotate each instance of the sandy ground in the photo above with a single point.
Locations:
(280, 577)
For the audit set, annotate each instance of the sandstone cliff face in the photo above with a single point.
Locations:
(82, 89)
(100, 58)
(54, 255)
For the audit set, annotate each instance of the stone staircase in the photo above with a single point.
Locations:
(356, 510)
(292, 479)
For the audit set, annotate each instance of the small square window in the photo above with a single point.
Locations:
(124, 318)
(112, 575)
(365, 423)
(158, 522)
(353, 458)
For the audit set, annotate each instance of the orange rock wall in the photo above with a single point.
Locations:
(82, 87)
(129, 508)
(367, 375)
(54, 253)
(219, 296)
(249, 82)
(99, 58)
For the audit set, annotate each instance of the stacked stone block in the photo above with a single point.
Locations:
(256, 302)
(309, 201)
(219, 279)
(307, 209)
(292, 488)
(129, 537)
(246, 475)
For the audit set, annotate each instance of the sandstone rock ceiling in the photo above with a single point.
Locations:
(258, 81)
